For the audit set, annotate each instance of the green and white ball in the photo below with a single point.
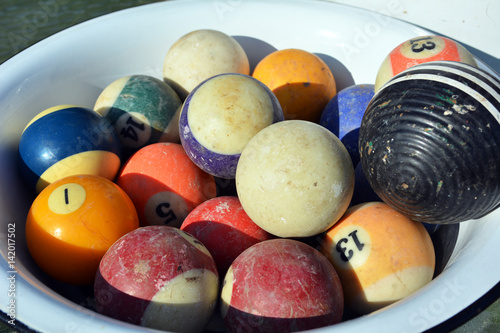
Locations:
(143, 110)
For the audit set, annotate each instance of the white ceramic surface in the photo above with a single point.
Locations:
(73, 66)
(475, 23)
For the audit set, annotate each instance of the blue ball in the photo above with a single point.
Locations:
(343, 114)
(363, 192)
(67, 140)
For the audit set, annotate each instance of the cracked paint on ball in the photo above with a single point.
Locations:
(159, 277)
(295, 179)
(281, 285)
(224, 227)
(220, 116)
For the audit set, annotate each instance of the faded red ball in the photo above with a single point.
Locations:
(159, 277)
(281, 285)
(224, 228)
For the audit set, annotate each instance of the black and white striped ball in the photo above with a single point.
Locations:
(430, 142)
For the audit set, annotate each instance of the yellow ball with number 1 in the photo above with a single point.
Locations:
(72, 223)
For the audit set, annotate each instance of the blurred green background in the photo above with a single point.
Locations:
(25, 22)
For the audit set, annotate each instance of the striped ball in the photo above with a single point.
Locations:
(143, 110)
(430, 142)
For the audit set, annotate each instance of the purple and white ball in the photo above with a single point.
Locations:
(220, 116)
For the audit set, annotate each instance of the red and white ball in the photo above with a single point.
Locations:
(159, 277)
(420, 50)
(224, 228)
(281, 285)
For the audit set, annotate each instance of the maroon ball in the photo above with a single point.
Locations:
(281, 285)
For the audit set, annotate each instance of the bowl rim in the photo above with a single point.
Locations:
(30, 286)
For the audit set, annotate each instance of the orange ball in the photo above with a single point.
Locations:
(301, 81)
(421, 50)
(164, 184)
(380, 255)
(73, 222)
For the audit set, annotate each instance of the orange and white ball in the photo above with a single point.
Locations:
(419, 50)
(164, 184)
(380, 255)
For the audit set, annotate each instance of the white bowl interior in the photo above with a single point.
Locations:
(73, 66)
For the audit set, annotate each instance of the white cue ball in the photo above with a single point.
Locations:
(295, 179)
(200, 55)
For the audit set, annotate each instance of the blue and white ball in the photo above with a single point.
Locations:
(68, 140)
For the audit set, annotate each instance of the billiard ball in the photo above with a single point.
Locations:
(164, 184)
(295, 178)
(420, 50)
(429, 142)
(381, 256)
(281, 285)
(220, 116)
(199, 55)
(301, 81)
(143, 110)
(158, 277)
(67, 140)
(73, 222)
(224, 228)
(343, 114)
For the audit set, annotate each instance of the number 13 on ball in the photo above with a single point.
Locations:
(419, 50)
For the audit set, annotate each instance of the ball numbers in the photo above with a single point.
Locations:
(67, 198)
(166, 208)
(343, 250)
(351, 247)
(134, 129)
(420, 44)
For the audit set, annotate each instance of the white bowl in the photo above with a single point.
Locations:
(73, 66)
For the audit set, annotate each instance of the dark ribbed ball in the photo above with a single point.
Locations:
(430, 142)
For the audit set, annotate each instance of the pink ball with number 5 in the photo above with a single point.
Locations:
(380, 255)
(164, 184)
